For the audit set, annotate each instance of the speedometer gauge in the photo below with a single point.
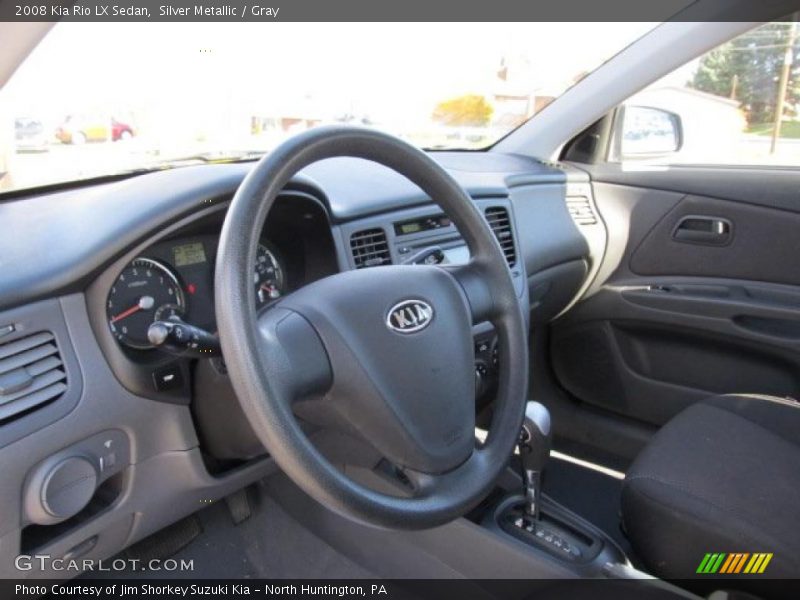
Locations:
(268, 277)
(145, 291)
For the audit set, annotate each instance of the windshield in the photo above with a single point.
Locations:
(100, 99)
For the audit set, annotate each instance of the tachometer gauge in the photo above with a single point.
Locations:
(268, 277)
(145, 291)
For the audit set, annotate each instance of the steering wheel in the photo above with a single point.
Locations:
(389, 349)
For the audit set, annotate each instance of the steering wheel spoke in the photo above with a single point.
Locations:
(292, 354)
(474, 281)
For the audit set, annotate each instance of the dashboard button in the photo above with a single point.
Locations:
(109, 461)
(168, 378)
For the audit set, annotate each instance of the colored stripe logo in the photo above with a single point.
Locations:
(734, 563)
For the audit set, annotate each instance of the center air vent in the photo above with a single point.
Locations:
(581, 211)
(31, 374)
(497, 216)
(370, 248)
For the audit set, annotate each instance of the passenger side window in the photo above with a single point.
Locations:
(737, 105)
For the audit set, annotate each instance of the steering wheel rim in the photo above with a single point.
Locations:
(298, 348)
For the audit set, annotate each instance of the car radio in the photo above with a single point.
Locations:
(420, 224)
(429, 240)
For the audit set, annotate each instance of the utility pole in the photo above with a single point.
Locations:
(783, 84)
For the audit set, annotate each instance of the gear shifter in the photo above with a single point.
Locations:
(557, 531)
(534, 451)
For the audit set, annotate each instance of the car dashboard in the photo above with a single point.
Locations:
(158, 432)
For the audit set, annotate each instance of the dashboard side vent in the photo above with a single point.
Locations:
(370, 248)
(31, 374)
(499, 221)
(581, 211)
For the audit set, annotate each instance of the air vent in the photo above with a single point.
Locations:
(581, 211)
(498, 219)
(370, 248)
(31, 374)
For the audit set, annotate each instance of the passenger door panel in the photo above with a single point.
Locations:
(759, 243)
(672, 320)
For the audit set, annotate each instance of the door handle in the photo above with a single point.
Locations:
(714, 231)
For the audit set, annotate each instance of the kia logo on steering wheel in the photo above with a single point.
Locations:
(409, 316)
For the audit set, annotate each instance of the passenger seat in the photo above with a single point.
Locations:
(723, 476)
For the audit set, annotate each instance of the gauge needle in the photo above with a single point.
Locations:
(145, 303)
(270, 290)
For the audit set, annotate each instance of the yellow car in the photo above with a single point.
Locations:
(79, 130)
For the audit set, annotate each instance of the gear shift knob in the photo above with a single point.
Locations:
(534, 451)
(536, 436)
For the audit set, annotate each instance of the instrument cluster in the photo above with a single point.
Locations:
(173, 282)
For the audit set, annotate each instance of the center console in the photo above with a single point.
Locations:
(539, 522)
(558, 532)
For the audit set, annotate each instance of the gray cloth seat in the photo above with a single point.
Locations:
(722, 476)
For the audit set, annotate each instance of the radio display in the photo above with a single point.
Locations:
(422, 224)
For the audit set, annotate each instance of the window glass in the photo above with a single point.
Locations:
(739, 104)
(98, 99)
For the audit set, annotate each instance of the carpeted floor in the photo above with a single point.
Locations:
(270, 544)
